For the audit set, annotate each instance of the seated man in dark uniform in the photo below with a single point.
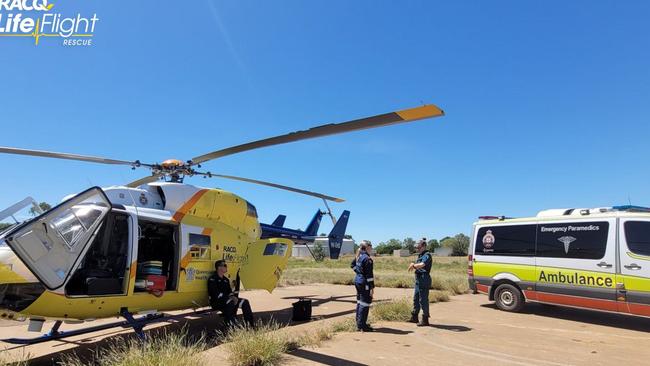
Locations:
(224, 299)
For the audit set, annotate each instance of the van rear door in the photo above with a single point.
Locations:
(634, 278)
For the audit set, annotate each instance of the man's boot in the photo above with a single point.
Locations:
(414, 318)
(424, 322)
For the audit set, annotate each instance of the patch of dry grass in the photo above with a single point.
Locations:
(447, 273)
(346, 325)
(262, 345)
(173, 348)
(391, 311)
(7, 358)
(266, 343)
(438, 296)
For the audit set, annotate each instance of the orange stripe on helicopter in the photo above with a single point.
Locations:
(134, 267)
(178, 216)
(186, 260)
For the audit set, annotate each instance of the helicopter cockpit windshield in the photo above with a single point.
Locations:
(51, 243)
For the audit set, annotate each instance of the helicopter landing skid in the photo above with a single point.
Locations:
(55, 333)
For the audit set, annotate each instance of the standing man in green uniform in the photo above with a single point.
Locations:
(422, 268)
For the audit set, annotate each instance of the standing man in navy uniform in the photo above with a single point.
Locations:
(223, 298)
(364, 282)
(422, 268)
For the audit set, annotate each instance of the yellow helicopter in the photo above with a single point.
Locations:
(148, 246)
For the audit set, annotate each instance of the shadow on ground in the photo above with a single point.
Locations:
(622, 321)
(196, 326)
(451, 328)
(324, 359)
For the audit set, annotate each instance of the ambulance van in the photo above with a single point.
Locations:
(586, 258)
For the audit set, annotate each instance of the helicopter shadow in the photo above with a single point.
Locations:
(205, 328)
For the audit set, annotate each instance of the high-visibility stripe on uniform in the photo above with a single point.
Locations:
(362, 303)
(370, 279)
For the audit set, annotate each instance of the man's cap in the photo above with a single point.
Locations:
(422, 241)
(219, 263)
(366, 242)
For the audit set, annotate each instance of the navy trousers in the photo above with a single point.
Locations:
(229, 311)
(421, 295)
(363, 305)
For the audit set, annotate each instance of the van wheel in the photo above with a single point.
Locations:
(509, 298)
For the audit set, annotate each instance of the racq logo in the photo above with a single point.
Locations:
(34, 18)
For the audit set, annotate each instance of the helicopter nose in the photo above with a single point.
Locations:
(18, 286)
(8, 267)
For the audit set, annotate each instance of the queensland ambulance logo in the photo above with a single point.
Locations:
(189, 274)
(37, 19)
(566, 240)
(488, 240)
(143, 199)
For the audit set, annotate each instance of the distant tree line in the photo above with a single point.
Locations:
(458, 243)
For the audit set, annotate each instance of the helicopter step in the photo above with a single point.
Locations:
(135, 323)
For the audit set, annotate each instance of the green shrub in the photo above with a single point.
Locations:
(318, 252)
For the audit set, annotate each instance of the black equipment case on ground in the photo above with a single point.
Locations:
(302, 310)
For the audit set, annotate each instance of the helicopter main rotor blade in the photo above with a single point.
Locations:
(274, 185)
(406, 115)
(58, 155)
(145, 180)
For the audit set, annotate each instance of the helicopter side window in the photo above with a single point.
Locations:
(103, 269)
(278, 249)
(199, 246)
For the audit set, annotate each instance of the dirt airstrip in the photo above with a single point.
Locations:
(466, 330)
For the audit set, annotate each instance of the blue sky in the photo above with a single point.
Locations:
(547, 104)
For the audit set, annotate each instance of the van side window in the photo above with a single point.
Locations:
(512, 240)
(637, 235)
(581, 240)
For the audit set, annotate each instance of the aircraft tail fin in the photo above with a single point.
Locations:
(336, 235)
(314, 224)
(279, 221)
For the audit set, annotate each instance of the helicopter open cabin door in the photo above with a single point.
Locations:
(51, 244)
(265, 261)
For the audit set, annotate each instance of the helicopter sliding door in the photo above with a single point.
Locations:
(51, 244)
(266, 259)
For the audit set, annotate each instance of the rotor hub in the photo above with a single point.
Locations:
(172, 164)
